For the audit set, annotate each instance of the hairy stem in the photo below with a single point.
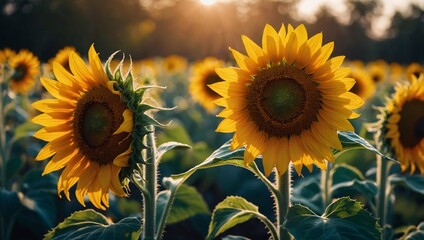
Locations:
(283, 202)
(383, 168)
(326, 183)
(150, 175)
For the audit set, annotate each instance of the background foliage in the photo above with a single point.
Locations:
(162, 27)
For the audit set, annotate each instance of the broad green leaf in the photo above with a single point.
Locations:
(230, 212)
(165, 147)
(414, 233)
(307, 192)
(187, 203)
(26, 129)
(38, 198)
(344, 219)
(89, 224)
(175, 132)
(220, 157)
(10, 205)
(345, 173)
(366, 187)
(233, 237)
(412, 182)
(13, 165)
(351, 141)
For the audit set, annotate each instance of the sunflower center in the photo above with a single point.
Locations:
(97, 124)
(210, 79)
(283, 101)
(411, 123)
(97, 116)
(20, 72)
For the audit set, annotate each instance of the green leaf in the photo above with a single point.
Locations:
(230, 212)
(413, 232)
(39, 193)
(176, 132)
(10, 205)
(412, 182)
(187, 203)
(345, 173)
(89, 224)
(165, 147)
(351, 141)
(26, 129)
(13, 165)
(366, 187)
(344, 219)
(233, 237)
(307, 192)
(220, 157)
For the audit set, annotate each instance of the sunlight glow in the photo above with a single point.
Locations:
(208, 2)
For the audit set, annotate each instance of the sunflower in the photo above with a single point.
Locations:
(203, 75)
(415, 69)
(6, 54)
(26, 69)
(377, 71)
(62, 57)
(286, 100)
(403, 122)
(396, 71)
(364, 85)
(174, 64)
(87, 127)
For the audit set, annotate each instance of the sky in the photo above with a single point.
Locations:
(307, 9)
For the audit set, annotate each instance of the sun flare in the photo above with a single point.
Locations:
(208, 2)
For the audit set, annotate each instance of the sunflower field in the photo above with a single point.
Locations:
(210, 119)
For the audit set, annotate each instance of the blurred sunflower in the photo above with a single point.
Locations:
(62, 57)
(396, 71)
(87, 127)
(148, 67)
(364, 86)
(377, 71)
(286, 100)
(203, 75)
(173, 64)
(6, 54)
(414, 68)
(26, 69)
(403, 124)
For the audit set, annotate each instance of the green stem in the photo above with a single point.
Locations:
(150, 175)
(326, 183)
(383, 168)
(283, 202)
(269, 225)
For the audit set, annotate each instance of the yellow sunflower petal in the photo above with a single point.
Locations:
(122, 159)
(244, 62)
(127, 124)
(284, 155)
(269, 156)
(271, 43)
(233, 74)
(254, 51)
